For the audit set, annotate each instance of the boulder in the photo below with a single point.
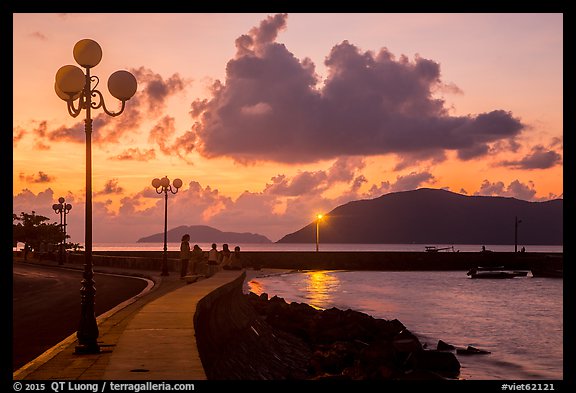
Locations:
(443, 346)
(440, 362)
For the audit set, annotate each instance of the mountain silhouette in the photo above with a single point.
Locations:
(204, 234)
(430, 216)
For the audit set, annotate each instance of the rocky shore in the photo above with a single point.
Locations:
(294, 341)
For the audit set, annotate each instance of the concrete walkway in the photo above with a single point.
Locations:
(149, 337)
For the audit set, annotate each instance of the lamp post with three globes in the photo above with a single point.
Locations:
(78, 88)
(63, 209)
(163, 186)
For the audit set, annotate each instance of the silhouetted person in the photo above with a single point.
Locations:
(234, 262)
(213, 256)
(197, 260)
(184, 255)
(225, 255)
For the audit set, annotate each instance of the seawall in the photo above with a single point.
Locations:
(234, 344)
(337, 260)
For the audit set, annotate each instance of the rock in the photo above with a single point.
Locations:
(470, 350)
(440, 362)
(345, 344)
(443, 346)
(406, 342)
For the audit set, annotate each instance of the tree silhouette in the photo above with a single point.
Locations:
(33, 231)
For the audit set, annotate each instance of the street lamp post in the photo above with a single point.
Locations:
(63, 209)
(72, 83)
(318, 218)
(163, 186)
(516, 222)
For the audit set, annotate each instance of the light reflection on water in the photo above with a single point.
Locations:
(319, 287)
(519, 320)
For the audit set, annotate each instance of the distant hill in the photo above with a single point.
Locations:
(435, 216)
(205, 234)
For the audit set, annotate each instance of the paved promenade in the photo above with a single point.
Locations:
(148, 337)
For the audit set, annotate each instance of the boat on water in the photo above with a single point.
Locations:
(436, 249)
(495, 272)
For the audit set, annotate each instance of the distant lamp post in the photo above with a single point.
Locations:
(318, 218)
(72, 83)
(516, 222)
(63, 209)
(163, 186)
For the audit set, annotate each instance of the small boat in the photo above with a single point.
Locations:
(495, 272)
(436, 249)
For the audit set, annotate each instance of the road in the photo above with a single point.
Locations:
(46, 305)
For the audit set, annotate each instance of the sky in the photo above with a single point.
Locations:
(269, 119)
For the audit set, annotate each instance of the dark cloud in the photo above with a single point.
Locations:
(40, 177)
(110, 187)
(539, 158)
(155, 90)
(272, 107)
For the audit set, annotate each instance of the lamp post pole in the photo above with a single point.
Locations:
(163, 186)
(318, 218)
(72, 83)
(516, 222)
(63, 209)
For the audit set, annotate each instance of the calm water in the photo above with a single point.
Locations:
(520, 320)
(322, 247)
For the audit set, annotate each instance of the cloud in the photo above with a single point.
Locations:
(39, 36)
(156, 90)
(135, 154)
(538, 158)
(316, 182)
(284, 205)
(161, 132)
(149, 102)
(515, 189)
(17, 134)
(273, 107)
(40, 177)
(110, 187)
(412, 181)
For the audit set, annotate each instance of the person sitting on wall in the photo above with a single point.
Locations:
(234, 262)
(198, 264)
(213, 255)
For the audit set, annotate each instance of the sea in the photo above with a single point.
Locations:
(175, 246)
(519, 321)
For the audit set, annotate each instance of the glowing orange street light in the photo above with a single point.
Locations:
(318, 218)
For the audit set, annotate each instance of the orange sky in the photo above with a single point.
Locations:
(269, 119)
